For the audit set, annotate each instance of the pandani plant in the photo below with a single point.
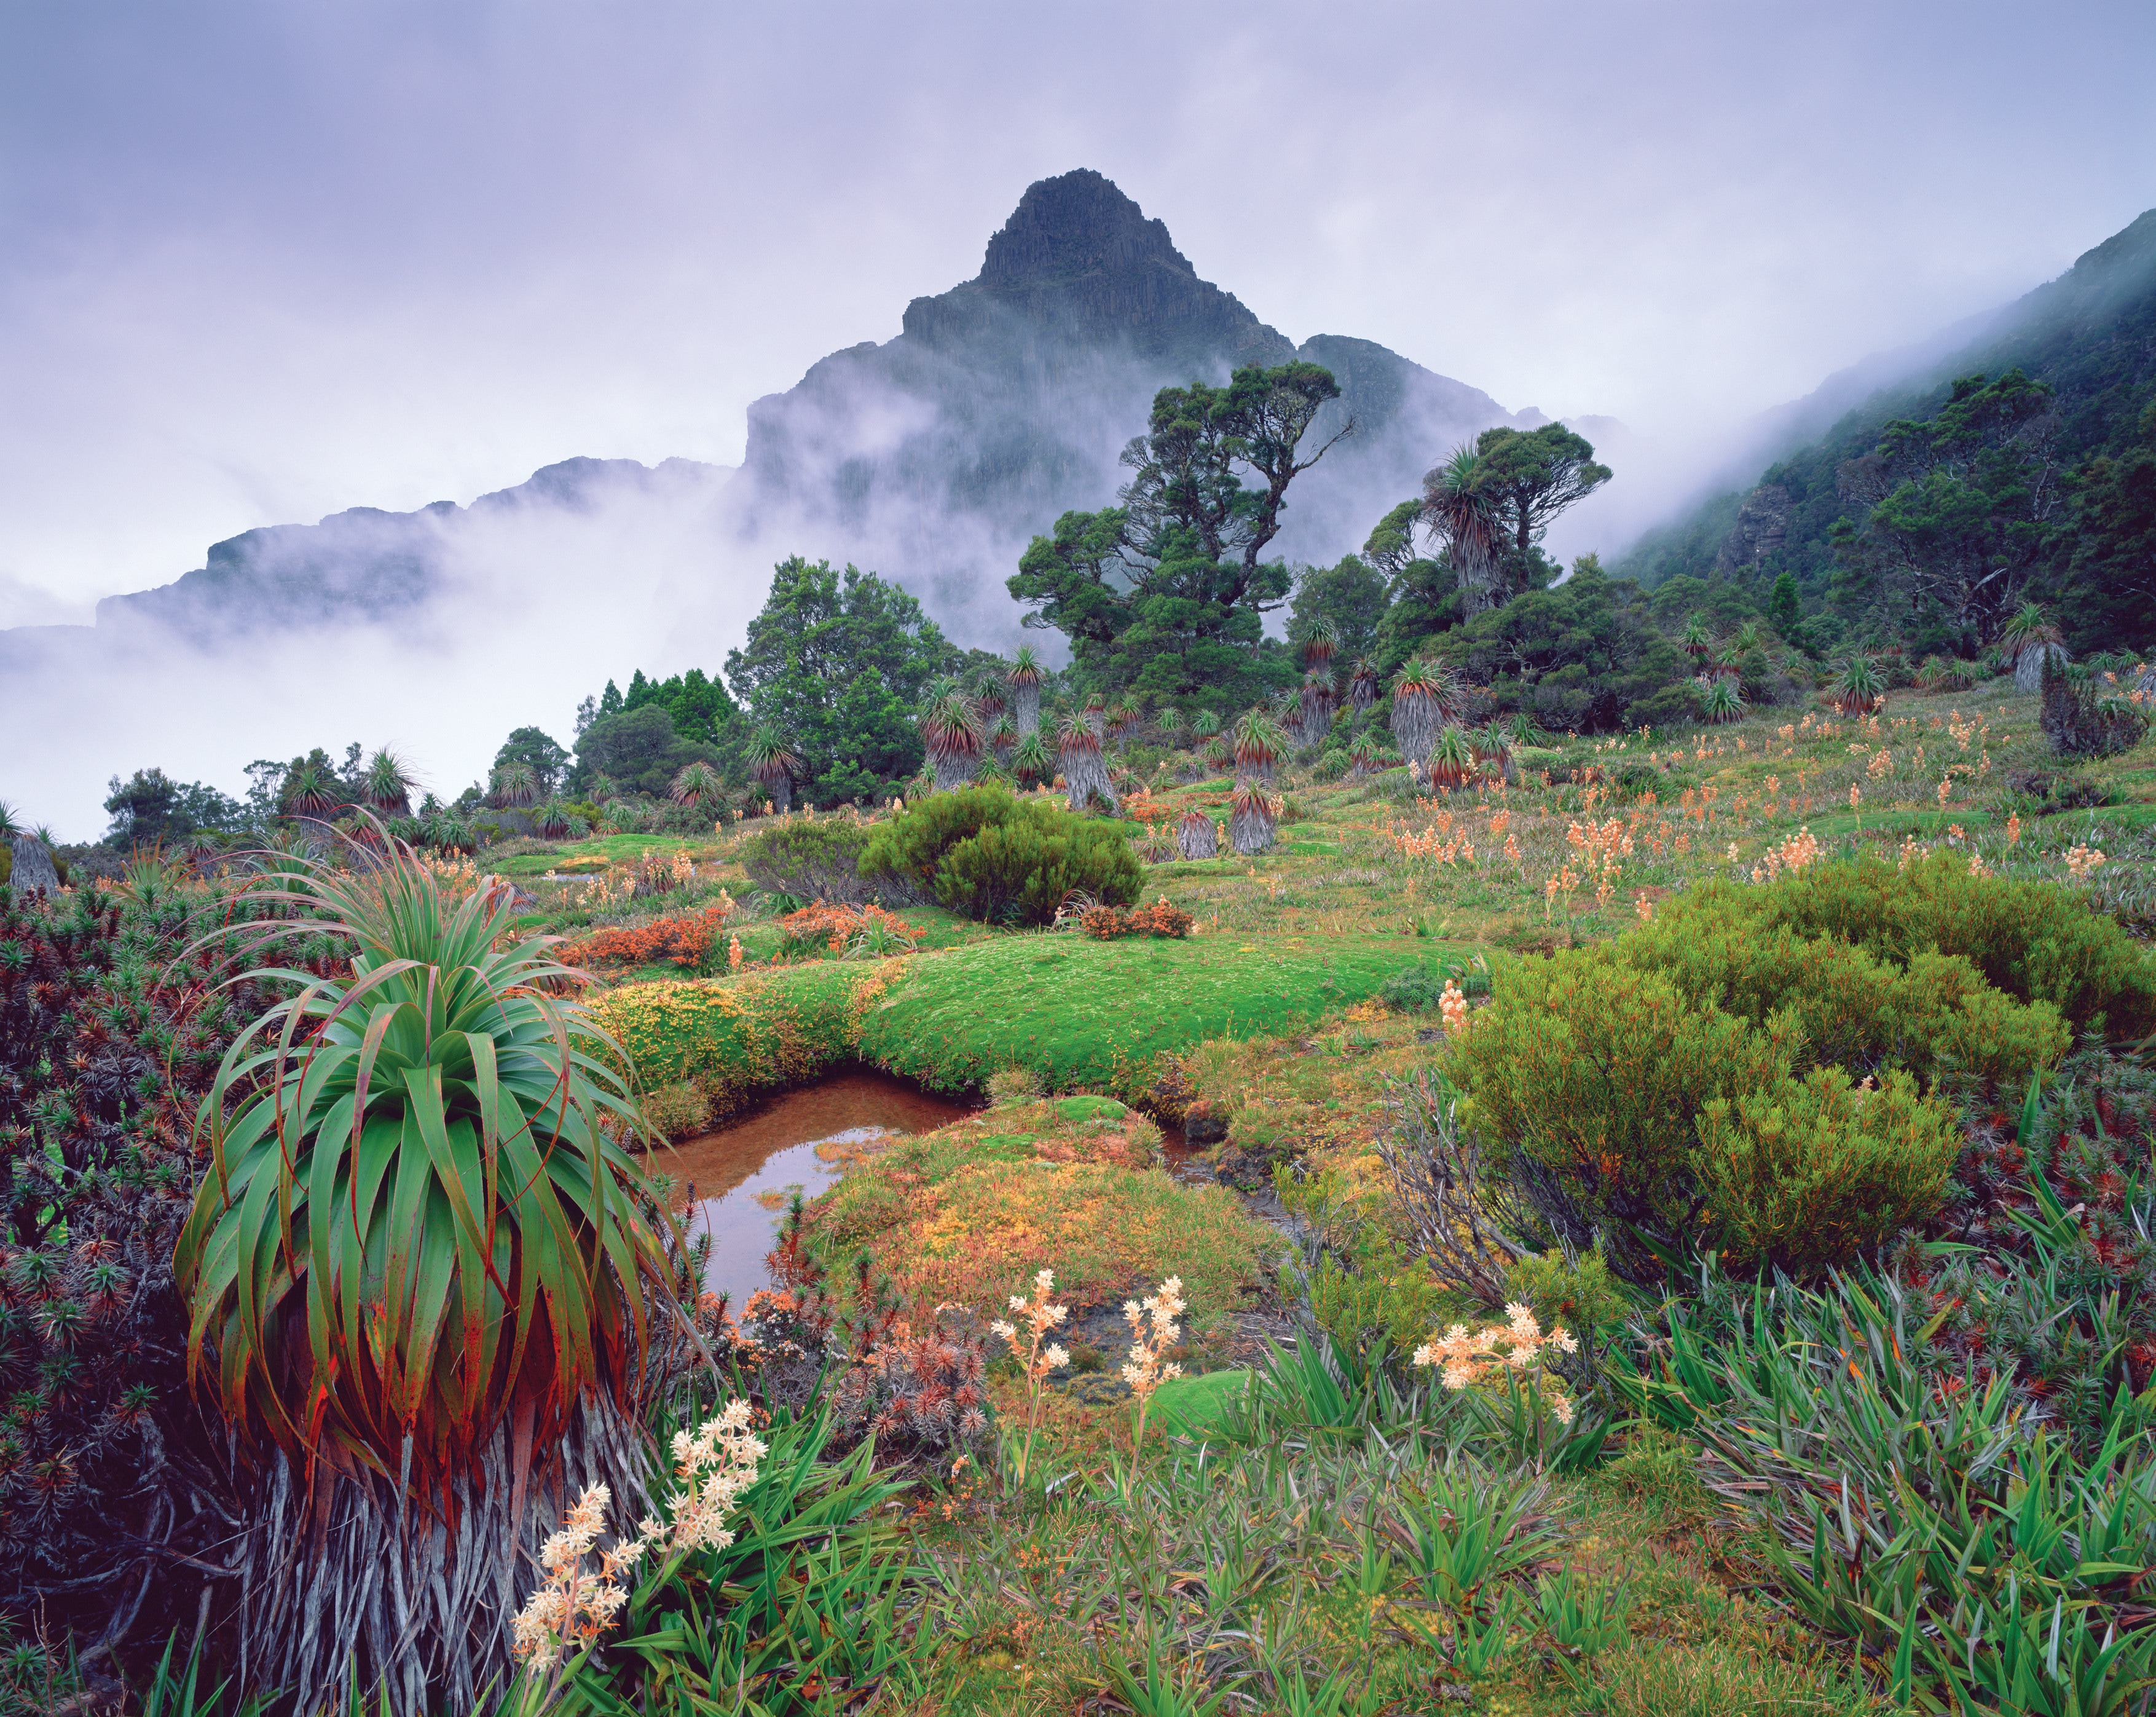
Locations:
(1314, 715)
(311, 791)
(1320, 642)
(1025, 678)
(1195, 837)
(1205, 724)
(1253, 813)
(1003, 739)
(1861, 689)
(950, 729)
(1362, 684)
(2028, 638)
(514, 786)
(1723, 701)
(988, 687)
(1030, 762)
(772, 765)
(421, 1271)
(385, 783)
(1260, 744)
(697, 784)
(1424, 696)
(553, 818)
(1451, 758)
(1698, 640)
(1459, 511)
(1124, 715)
(1085, 774)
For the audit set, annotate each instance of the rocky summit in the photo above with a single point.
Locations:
(1005, 400)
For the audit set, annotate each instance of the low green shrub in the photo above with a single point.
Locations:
(1931, 1012)
(1808, 1174)
(1024, 872)
(1002, 860)
(1594, 1070)
(2034, 940)
(810, 858)
(1378, 1297)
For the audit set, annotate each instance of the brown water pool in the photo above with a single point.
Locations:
(737, 1180)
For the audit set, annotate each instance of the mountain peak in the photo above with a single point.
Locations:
(1074, 224)
(1079, 264)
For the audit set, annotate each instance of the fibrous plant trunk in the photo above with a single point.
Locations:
(1318, 704)
(780, 787)
(1251, 818)
(362, 1575)
(1195, 837)
(2029, 664)
(1025, 706)
(1416, 719)
(1085, 771)
(954, 769)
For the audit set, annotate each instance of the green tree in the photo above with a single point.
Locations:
(1165, 593)
(1961, 512)
(149, 807)
(1526, 478)
(1584, 654)
(638, 750)
(549, 762)
(1785, 613)
(874, 741)
(2109, 592)
(1351, 596)
(825, 664)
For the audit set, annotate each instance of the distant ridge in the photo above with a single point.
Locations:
(2091, 333)
(933, 456)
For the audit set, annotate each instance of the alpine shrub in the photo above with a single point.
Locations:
(810, 858)
(983, 853)
(1806, 1175)
(2034, 940)
(1023, 872)
(1592, 1073)
(1936, 1015)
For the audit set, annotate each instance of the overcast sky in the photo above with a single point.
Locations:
(259, 262)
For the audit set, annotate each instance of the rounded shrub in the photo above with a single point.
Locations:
(810, 858)
(989, 855)
(1807, 1174)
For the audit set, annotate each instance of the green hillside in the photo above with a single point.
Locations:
(2055, 501)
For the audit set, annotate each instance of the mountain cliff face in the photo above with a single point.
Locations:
(932, 457)
(1006, 401)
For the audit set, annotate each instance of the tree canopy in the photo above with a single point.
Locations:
(1165, 592)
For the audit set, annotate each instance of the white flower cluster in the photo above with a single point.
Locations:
(1040, 1317)
(715, 1463)
(1147, 1370)
(1464, 1356)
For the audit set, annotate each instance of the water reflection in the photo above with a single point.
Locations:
(740, 1174)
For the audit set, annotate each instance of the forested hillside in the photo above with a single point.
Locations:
(2023, 467)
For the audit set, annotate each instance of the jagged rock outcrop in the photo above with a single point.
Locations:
(1006, 401)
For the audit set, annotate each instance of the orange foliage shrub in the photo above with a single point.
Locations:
(684, 941)
(1105, 923)
(838, 927)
